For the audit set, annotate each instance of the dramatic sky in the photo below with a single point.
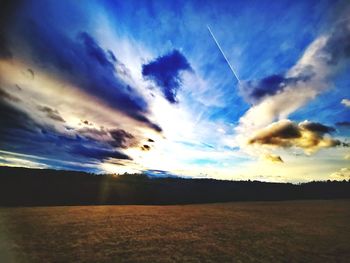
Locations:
(235, 90)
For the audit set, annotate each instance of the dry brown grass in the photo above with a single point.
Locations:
(300, 231)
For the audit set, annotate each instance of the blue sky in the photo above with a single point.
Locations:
(141, 86)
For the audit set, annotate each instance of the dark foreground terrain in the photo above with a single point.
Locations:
(289, 231)
(35, 187)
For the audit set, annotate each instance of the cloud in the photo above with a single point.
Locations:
(338, 44)
(345, 102)
(98, 153)
(278, 133)
(145, 147)
(87, 122)
(13, 119)
(343, 124)
(257, 90)
(100, 134)
(165, 72)
(105, 59)
(20, 133)
(309, 136)
(316, 127)
(5, 95)
(79, 60)
(51, 113)
(122, 138)
(342, 174)
(19, 162)
(5, 52)
(272, 158)
(278, 96)
(31, 73)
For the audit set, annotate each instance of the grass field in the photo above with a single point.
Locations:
(300, 231)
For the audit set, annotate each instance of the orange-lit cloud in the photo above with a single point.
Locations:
(272, 158)
(307, 135)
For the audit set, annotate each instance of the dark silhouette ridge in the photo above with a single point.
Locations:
(46, 187)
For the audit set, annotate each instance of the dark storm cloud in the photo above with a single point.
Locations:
(121, 138)
(80, 60)
(51, 113)
(165, 70)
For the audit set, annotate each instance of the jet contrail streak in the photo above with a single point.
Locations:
(222, 52)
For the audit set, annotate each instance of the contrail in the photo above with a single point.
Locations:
(222, 52)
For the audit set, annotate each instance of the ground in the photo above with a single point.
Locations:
(293, 231)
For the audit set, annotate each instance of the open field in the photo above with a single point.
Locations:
(293, 231)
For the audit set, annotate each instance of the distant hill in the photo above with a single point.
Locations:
(41, 187)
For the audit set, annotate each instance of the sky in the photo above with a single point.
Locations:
(236, 90)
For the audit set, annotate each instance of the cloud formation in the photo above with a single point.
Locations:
(346, 102)
(277, 96)
(273, 158)
(79, 60)
(342, 174)
(51, 113)
(165, 72)
(255, 91)
(309, 136)
(21, 133)
(5, 95)
(100, 154)
(145, 147)
(73, 95)
(122, 138)
(343, 124)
